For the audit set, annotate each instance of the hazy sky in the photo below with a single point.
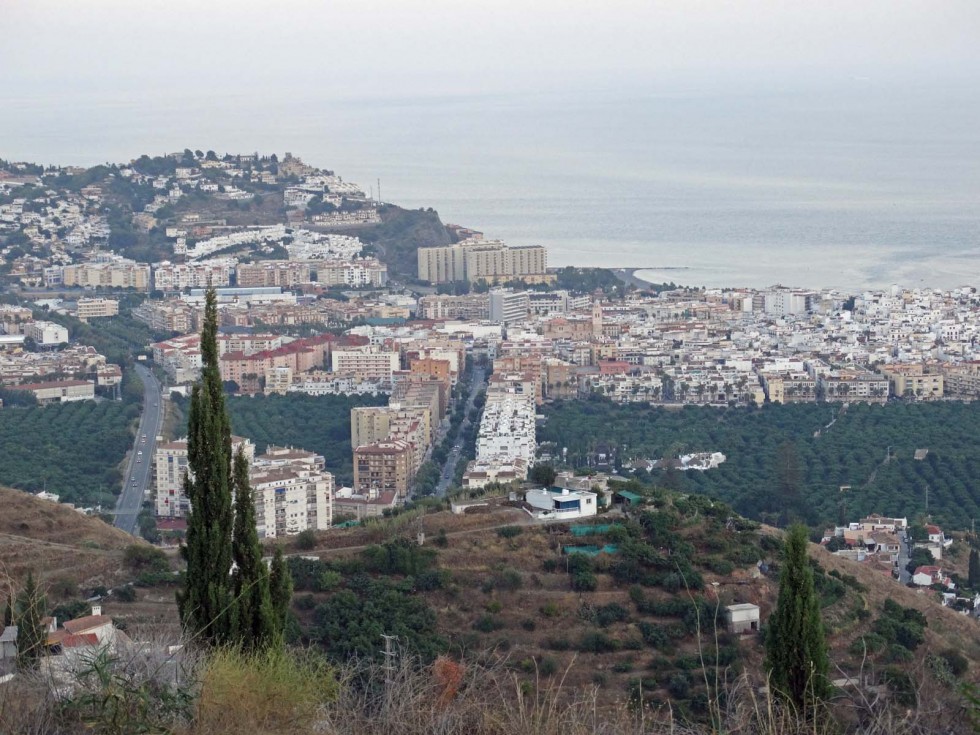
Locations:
(431, 46)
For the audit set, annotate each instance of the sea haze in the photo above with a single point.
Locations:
(850, 185)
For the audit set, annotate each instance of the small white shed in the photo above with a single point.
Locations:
(742, 618)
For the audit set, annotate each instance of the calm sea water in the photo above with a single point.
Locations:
(850, 186)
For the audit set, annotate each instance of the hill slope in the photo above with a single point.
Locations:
(637, 622)
(57, 543)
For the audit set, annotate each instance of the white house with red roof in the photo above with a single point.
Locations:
(926, 576)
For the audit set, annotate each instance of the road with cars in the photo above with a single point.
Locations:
(138, 478)
(449, 468)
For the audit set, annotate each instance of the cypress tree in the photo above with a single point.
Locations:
(8, 611)
(974, 573)
(253, 619)
(281, 589)
(796, 647)
(31, 636)
(206, 599)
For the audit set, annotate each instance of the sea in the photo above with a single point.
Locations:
(847, 185)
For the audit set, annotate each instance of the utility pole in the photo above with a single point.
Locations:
(389, 664)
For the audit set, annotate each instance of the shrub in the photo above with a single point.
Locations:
(896, 654)
(528, 624)
(606, 615)
(304, 602)
(142, 558)
(509, 579)
(126, 593)
(584, 582)
(510, 531)
(869, 643)
(550, 610)
(679, 686)
(598, 643)
(719, 566)
(958, 663)
(559, 643)
(547, 666)
(327, 580)
(487, 624)
(306, 540)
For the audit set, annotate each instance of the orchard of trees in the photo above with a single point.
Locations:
(779, 467)
(71, 449)
(319, 424)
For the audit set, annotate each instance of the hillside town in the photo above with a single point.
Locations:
(308, 307)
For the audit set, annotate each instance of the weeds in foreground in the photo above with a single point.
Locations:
(288, 692)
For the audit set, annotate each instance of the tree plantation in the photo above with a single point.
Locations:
(792, 461)
(71, 449)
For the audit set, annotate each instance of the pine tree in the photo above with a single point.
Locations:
(206, 598)
(974, 573)
(31, 636)
(796, 647)
(281, 589)
(254, 623)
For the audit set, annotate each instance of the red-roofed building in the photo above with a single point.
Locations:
(61, 391)
(926, 576)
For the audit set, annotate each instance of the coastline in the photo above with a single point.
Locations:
(629, 277)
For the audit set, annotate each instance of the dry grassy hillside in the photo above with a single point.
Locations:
(511, 593)
(63, 547)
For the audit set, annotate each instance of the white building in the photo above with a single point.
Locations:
(365, 364)
(562, 503)
(508, 306)
(47, 333)
(292, 493)
(170, 469)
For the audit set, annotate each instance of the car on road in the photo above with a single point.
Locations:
(138, 460)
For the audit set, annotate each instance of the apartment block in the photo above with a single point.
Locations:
(490, 261)
(170, 469)
(204, 274)
(108, 272)
(384, 466)
(171, 315)
(292, 491)
(96, 308)
(473, 307)
(46, 333)
(365, 363)
(507, 307)
(914, 381)
(369, 424)
(284, 273)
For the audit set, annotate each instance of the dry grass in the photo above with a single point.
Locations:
(56, 542)
(264, 693)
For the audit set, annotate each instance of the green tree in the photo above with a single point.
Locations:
(30, 633)
(796, 647)
(8, 611)
(253, 619)
(280, 589)
(919, 558)
(543, 474)
(974, 575)
(206, 599)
